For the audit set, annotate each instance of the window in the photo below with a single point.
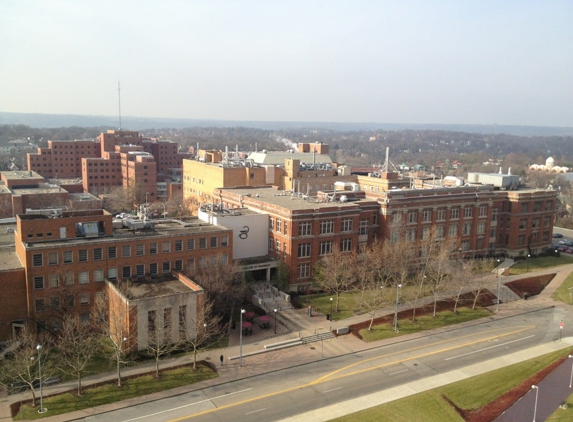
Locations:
(225, 241)
(203, 243)
(38, 260)
(440, 232)
(427, 216)
(191, 263)
(83, 255)
(524, 208)
(521, 240)
(412, 217)
(38, 283)
(285, 225)
(112, 273)
(535, 223)
(213, 242)
(346, 225)
(55, 302)
(494, 214)
(453, 230)
(152, 248)
(271, 244)
(345, 245)
(178, 245)
(40, 305)
(466, 229)
(126, 251)
(304, 250)
(84, 299)
(84, 277)
(397, 217)
(98, 254)
(278, 243)
(126, 272)
(522, 224)
(545, 236)
(140, 249)
(549, 206)
(279, 222)
(481, 227)
(468, 212)
(166, 247)
(271, 223)
(327, 227)
(98, 276)
(111, 252)
(482, 210)
(455, 212)
(54, 281)
(178, 265)
(304, 229)
(546, 221)
(363, 227)
(153, 268)
(52, 258)
(68, 257)
(69, 279)
(303, 270)
(425, 233)
(85, 318)
(325, 248)
(190, 244)
(441, 214)
(466, 245)
(166, 266)
(492, 231)
(411, 235)
(140, 270)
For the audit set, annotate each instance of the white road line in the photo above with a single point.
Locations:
(187, 405)
(334, 389)
(399, 372)
(487, 348)
(255, 411)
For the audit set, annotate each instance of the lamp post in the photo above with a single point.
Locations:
(571, 378)
(528, 256)
(331, 309)
(275, 321)
(398, 287)
(555, 257)
(536, 396)
(498, 285)
(41, 410)
(241, 339)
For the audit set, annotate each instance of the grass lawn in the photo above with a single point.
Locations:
(468, 394)
(423, 323)
(539, 263)
(563, 414)
(562, 292)
(346, 305)
(109, 393)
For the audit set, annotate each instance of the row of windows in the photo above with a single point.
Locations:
(126, 250)
(57, 302)
(68, 279)
(325, 247)
(327, 226)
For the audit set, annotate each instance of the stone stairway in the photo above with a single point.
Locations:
(326, 335)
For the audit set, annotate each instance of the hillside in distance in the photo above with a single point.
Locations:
(144, 123)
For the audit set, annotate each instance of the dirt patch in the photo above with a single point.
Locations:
(530, 286)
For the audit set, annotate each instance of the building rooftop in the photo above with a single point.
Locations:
(155, 286)
(278, 158)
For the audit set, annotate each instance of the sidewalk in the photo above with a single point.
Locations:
(294, 356)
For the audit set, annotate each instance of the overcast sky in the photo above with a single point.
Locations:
(429, 61)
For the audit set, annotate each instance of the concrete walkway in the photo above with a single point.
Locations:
(260, 363)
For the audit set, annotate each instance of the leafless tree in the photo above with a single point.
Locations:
(77, 345)
(160, 340)
(203, 330)
(439, 268)
(334, 274)
(20, 363)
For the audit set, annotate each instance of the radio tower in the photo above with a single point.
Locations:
(119, 103)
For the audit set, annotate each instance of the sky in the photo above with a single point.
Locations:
(429, 62)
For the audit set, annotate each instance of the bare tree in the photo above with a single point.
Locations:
(439, 269)
(203, 330)
(160, 341)
(20, 364)
(77, 344)
(217, 277)
(334, 274)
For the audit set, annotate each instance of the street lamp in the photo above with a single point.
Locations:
(275, 321)
(536, 395)
(555, 257)
(398, 287)
(42, 410)
(498, 285)
(571, 378)
(241, 339)
(528, 256)
(331, 309)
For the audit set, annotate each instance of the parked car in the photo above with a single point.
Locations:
(562, 242)
(568, 250)
(562, 248)
(557, 235)
(569, 242)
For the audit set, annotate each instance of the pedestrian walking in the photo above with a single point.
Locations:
(221, 359)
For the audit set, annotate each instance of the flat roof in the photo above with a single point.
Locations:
(149, 287)
(298, 201)
(279, 157)
(21, 175)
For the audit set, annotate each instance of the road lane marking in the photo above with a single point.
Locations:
(399, 372)
(255, 411)
(187, 405)
(326, 377)
(488, 348)
(333, 389)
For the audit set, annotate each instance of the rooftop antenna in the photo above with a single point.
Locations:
(119, 102)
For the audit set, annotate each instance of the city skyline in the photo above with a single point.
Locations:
(388, 62)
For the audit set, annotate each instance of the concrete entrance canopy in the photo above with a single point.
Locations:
(257, 263)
